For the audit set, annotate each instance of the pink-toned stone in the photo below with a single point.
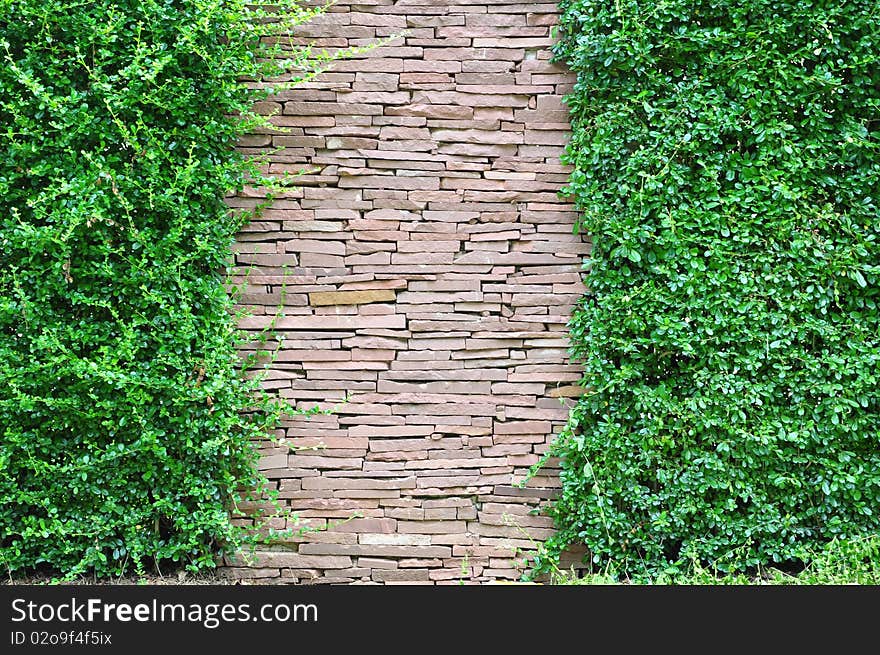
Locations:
(350, 297)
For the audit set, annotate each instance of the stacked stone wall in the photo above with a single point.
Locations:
(424, 269)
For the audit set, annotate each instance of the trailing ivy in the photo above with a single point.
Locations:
(727, 166)
(126, 423)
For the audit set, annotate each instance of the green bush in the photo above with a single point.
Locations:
(126, 423)
(727, 168)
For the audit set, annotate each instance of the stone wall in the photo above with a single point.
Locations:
(426, 268)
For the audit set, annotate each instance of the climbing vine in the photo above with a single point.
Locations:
(727, 167)
(127, 424)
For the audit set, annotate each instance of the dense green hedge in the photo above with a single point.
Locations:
(125, 421)
(727, 168)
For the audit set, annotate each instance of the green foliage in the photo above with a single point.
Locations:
(126, 422)
(839, 562)
(727, 167)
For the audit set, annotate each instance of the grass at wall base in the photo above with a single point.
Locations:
(727, 167)
(127, 425)
(854, 561)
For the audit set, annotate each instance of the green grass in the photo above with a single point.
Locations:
(843, 562)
